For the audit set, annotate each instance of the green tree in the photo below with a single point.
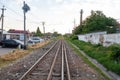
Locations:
(38, 32)
(97, 21)
(56, 34)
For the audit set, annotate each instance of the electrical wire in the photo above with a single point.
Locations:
(30, 21)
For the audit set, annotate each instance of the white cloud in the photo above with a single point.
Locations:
(58, 1)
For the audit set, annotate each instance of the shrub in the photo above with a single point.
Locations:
(74, 37)
(115, 55)
(107, 56)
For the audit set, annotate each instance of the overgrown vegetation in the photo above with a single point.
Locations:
(107, 56)
(97, 21)
(88, 62)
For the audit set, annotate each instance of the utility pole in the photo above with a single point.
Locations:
(25, 8)
(74, 23)
(2, 19)
(24, 29)
(81, 15)
(43, 23)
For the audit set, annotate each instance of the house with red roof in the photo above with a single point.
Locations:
(17, 34)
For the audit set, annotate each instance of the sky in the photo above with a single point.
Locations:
(58, 15)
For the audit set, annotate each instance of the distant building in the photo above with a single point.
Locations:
(17, 34)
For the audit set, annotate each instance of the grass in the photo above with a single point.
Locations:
(101, 54)
(87, 61)
(18, 53)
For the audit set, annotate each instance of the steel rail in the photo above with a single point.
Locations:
(62, 68)
(36, 63)
(53, 64)
(67, 65)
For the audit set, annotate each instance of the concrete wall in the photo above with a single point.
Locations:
(100, 38)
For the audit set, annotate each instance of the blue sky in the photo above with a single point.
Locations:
(58, 15)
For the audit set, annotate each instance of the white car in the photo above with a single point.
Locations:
(35, 39)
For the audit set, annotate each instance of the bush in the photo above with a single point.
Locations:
(74, 37)
(115, 55)
(107, 56)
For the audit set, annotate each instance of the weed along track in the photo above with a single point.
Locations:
(59, 62)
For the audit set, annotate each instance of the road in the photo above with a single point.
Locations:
(5, 50)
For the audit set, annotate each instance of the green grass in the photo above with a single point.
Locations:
(87, 61)
(101, 54)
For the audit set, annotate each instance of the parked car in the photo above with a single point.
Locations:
(0, 42)
(12, 43)
(30, 42)
(34, 39)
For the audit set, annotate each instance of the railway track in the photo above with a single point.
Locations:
(56, 61)
(61, 63)
(53, 65)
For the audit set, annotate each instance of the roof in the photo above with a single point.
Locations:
(17, 31)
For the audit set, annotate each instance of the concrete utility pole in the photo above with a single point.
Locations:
(24, 29)
(81, 15)
(2, 19)
(25, 8)
(43, 23)
(74, 23)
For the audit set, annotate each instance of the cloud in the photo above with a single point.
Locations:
(59, 14)
(58, 1)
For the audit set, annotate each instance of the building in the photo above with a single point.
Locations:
(14, 34)
(17, 34)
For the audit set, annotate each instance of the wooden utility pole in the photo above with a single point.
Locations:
(81, 15)
(2, 19)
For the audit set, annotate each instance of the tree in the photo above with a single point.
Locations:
(56, 34)
(38, 32)
(97, 21)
